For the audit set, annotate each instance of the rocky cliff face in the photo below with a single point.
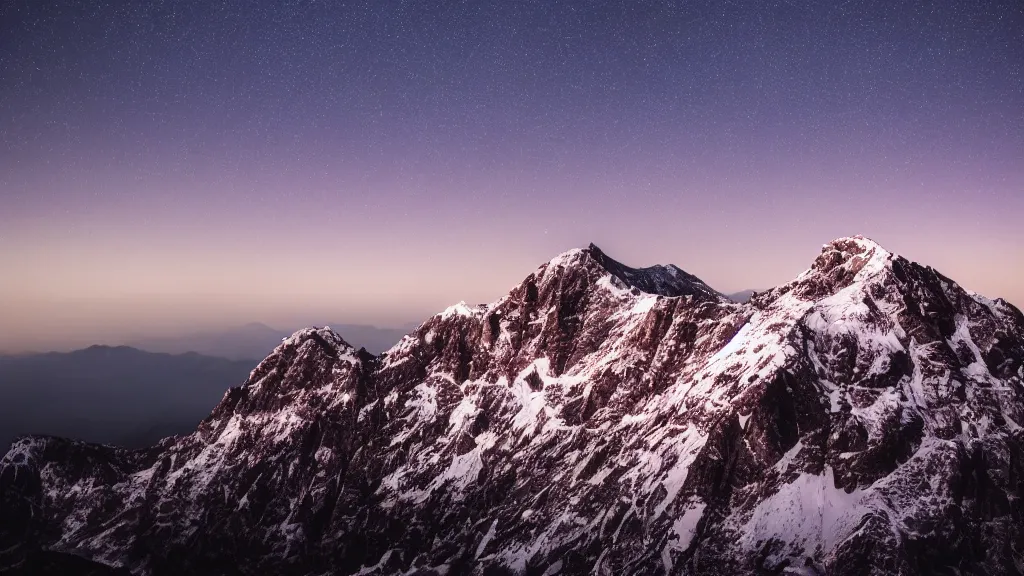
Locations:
(863, 419)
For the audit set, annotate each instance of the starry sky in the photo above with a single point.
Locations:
(170, 165)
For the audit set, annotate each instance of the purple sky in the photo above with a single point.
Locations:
(181, 165)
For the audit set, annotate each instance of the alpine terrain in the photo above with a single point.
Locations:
(864, 418)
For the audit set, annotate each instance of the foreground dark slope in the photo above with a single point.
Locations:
(862, 419)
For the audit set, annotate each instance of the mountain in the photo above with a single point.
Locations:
(742, 296)
(864, 418)
(115, 395)
(256, 340)
(374, 339)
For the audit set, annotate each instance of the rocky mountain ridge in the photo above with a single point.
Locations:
(864, 418)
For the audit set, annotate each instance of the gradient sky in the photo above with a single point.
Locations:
(172, 165)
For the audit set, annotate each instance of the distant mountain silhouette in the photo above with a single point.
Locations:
(115, 395)
(741, 296)
(256, 340)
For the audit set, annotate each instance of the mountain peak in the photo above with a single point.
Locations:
(857, 246)
(841, 263)
(853, 257)
(325, 337)
(663, 280)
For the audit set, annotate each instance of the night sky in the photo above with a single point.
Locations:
(169, 165)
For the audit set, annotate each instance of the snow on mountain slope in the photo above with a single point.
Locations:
(864, 418)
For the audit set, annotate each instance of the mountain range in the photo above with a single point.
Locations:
(864, 418)
(112, 394)
(257, 340)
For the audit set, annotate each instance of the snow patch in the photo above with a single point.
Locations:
(644, 305)
(486, 539)
(462, 471)
(735, 344)
(460, 309)
(684, 528)
(806, 514)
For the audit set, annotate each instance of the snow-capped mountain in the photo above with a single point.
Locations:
(864, 418)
